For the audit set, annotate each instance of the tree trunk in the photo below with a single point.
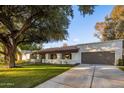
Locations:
(5, 56)
(11, 56)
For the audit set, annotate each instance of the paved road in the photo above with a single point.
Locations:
(87, 76)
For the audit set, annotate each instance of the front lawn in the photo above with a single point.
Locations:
(29, 75)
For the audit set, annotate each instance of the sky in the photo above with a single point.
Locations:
(82, 29)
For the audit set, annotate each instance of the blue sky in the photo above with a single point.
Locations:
(82, 29)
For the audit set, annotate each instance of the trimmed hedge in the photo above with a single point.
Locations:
(120, 62)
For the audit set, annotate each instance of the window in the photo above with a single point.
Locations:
(53, 56)
(33, 56)
(66, 56)
(43, 56)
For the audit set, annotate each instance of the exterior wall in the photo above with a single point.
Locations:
(25, 56)
(75, 58)
(114, 45)
(59, 59)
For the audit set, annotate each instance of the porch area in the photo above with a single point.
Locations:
(62, 55)
(66, 58)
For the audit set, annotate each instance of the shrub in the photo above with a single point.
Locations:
(120, 62)
(22, 61)
(2, 61)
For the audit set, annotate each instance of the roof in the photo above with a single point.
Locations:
(58, 50)
(109, 41)
(73, 48)
(26, 51)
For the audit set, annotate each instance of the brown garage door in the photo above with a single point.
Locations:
(107, 58)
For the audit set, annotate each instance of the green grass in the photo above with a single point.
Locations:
(2, 65)
(121, 68)
(29, 75)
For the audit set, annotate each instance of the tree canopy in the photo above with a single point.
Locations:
(28, 24)
(113, 26)
(37, 23)
(32, 46)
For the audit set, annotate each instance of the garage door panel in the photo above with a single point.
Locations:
(98, 58)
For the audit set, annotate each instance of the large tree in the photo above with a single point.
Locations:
(113, 26)
(27, 24)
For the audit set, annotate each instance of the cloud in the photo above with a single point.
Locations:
(65, 41)
(76, 40)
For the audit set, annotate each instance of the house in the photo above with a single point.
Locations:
(23, 54)
(26, 54)
(108, 52)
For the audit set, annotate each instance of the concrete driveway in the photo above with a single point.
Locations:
(87, 76)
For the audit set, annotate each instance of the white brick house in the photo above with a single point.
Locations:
(107, 52)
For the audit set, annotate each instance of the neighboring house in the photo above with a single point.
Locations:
(108, 52)
(24, 55)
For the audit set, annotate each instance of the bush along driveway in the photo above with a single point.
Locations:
(121, 68)
(29, 75)
(88, 76)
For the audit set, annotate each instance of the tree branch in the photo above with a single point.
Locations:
(21, 41)
(1, 52)
(3, 38)
(7, 22)
(26, 25)
(29, 22)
